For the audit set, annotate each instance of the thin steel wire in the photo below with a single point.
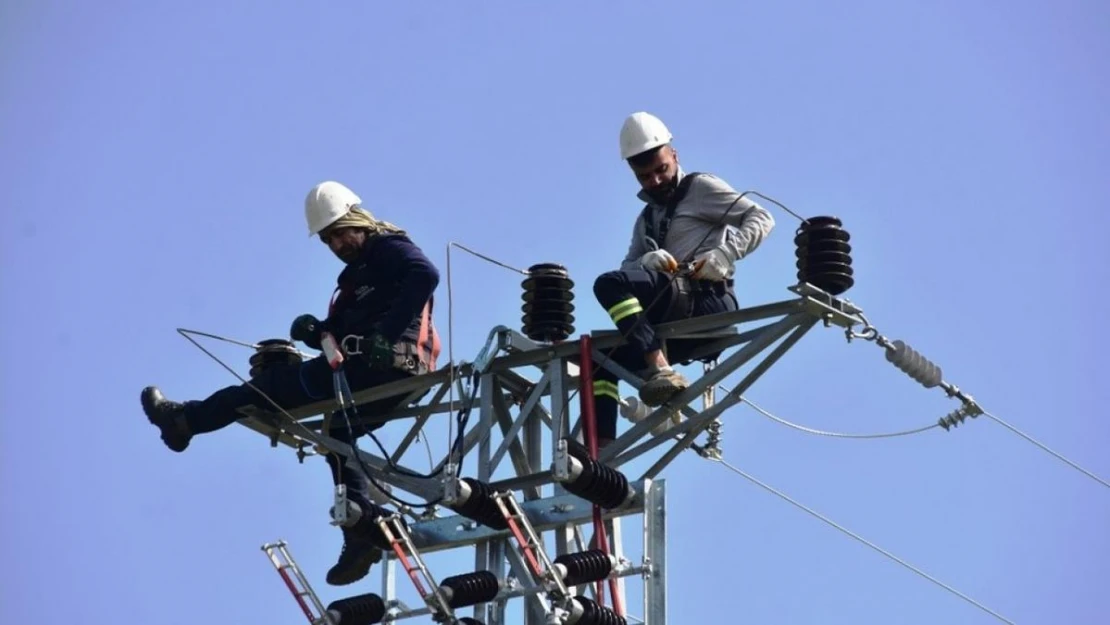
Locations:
(863, 540)
(451, 327)
(1046, 449)
(810, 430)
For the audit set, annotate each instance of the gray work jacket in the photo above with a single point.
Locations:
(699, 212)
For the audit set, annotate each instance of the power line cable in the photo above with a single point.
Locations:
(1045, 448)
(810, 430)
(861, 539)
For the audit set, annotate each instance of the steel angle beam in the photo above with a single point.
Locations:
(751, 349)
(545, 514)
(512, 413)
(696, 426)
(381, 470)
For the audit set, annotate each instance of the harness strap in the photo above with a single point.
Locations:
(659, 235)
(335, 296)
(428, 339)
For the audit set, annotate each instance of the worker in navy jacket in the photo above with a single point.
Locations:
(689, 217)
(381, 312)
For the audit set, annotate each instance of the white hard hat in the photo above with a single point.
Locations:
(642, 132)
(327, 202)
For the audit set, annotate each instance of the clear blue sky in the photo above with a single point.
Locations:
(155, 160)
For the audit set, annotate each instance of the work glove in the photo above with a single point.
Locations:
(659, 260)
(712, 265)
(307, 329)
(377, 351)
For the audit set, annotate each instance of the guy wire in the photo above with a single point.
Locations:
(451, 331)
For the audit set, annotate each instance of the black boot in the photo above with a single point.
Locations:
(168, 416)
(358, 555)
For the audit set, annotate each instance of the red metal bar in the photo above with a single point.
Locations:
(589, 419)
(403, 556)
(528, 549)
(296, 594)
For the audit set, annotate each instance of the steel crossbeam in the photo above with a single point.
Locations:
(522, 408)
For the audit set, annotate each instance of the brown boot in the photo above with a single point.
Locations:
(662, 386)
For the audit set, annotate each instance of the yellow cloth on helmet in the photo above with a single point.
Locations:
(361, 218)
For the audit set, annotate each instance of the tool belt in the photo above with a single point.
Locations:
(685, 292)
(406, 353)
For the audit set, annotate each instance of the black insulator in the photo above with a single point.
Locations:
(359, 610)
(600, 484)
(466, 620)
(471, 588)
(480, 506)
(548, 303)
(273, 352)
(597, 483)
(585, 566)
(824, 255)
(913, 364)
(594, 614)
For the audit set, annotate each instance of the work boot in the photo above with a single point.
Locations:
(662, 386)
(359, 553)
(168, 416)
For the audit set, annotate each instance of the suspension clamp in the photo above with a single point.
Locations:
(339, 510)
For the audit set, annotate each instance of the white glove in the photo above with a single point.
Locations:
(712, 265)
(659, 260)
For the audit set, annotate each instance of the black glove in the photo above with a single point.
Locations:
(307, 329)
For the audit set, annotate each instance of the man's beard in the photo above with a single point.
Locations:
(348, 254)
(664, 191)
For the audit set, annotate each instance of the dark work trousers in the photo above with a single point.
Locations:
(628, 296)
(292, 386)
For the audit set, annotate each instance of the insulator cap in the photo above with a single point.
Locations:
(913, 364)
(594, 614)
(359, 609)
(271, 352)
(824, 255)
(576, 449)
(480, 506)
(548, 308)
(471, 588)
(585, 566)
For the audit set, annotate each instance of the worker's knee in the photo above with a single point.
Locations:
(608, 285)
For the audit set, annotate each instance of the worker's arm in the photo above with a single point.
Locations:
(417, 276)
(636, 248)
(752, 223)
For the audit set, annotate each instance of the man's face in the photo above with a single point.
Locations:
(345, 243)
(659, 177)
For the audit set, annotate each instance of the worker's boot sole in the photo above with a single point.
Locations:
(168, 416)
(662, 386)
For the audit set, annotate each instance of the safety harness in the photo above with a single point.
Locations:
(417, 357)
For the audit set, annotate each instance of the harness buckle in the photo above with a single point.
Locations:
(350, 345)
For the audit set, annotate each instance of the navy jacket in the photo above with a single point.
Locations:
(384, 290)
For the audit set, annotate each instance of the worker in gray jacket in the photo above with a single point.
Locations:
(679, 264)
